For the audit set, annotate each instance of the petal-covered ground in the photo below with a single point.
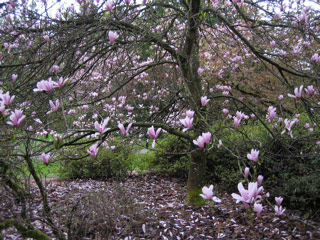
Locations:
(151, 207)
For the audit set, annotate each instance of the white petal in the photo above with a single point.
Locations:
(217, 200)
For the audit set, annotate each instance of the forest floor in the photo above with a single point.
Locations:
(150, 207)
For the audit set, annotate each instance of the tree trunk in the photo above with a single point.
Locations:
(189, 63)
(196, 178)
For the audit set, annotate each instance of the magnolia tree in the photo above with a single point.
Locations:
(200, 70)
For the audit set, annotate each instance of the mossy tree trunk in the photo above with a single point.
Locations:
(189, 63)
(196, 177)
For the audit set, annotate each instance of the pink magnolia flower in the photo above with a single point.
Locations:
(315, 58)
(56, 68)
(46, 38)
(101, 127)
(257, 207)
(225, 111)
(199, 142)
(44, 85)
(123, 130)
(207, 194)
(200, 71)
(187, 123)
(236, 122)
(246, 172)
(109, 5)
(93, 150)
(281, 97)
(309, 90)
(16, 117)
(206, 137)
(128, 1)
(190, 113)
(240, 115)
(253, 156)
(3, 109)
(246, 196)
(54, 107)
(278, 200)
(129, 108)
(14, 77)
(202, 140)
(204, 100)
(272, 113)
(289, 125)
(279, 211)
(45, 158)
(7, 100)
(153, 134)
(260, 179)
(272, 43)
(113, 36)
(297, 92)
(61, 82)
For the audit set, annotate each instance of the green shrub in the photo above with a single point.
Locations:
(172, 157)
(292, 170)
(223, 169)
(108, 164)
(290, 166)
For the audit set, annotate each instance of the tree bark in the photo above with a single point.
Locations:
(196, 177)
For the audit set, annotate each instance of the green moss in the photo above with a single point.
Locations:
(193, 197)
(28, 233)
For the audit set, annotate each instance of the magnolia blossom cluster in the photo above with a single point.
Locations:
(254, 195)
(238, 117)
(16, 116)
(223, 88)
(250, 195)
(278, 208)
